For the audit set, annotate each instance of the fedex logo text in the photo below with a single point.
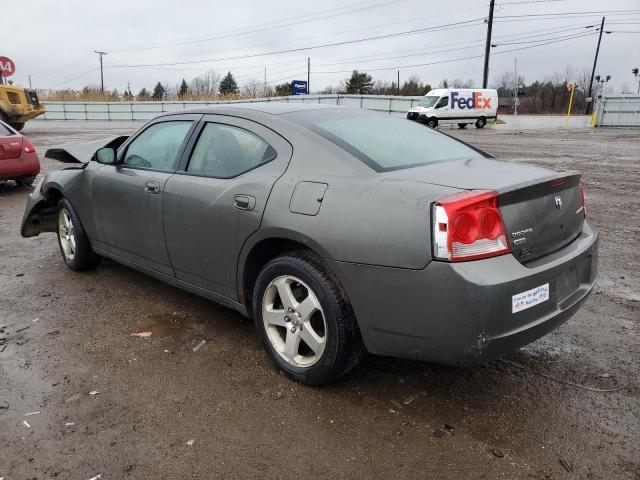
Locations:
(476, 101)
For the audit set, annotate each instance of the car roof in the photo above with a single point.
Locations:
(273, 108)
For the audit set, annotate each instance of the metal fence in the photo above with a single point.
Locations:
(148, 110)
(617, 111)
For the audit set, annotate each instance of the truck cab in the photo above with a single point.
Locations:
(456, 105)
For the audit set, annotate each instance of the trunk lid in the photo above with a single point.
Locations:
(542, 209)
(10, 147)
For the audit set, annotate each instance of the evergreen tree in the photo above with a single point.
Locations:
(184, 89)
(360, 83)
(158, 91)
(228, 85)
(143, 94)
(283, 89)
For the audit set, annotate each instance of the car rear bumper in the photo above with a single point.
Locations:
(462, 313)
(25, 166)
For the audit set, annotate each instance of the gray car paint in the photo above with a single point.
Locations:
(373, 229)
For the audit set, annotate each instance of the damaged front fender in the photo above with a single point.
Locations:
(39, 215)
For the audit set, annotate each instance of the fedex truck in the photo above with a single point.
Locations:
(456, 105)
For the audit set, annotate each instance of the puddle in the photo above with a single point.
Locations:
(164, 325)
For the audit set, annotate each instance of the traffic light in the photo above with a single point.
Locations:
(635, 71)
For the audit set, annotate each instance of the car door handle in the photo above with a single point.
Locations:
(152, 187)
(244, 202)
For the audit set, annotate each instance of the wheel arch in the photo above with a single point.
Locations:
(42, 216)
(263, 247)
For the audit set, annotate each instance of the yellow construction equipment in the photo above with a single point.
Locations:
(18, 104)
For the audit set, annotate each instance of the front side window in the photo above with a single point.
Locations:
(224, 151)
(384, 142)
(157, 147)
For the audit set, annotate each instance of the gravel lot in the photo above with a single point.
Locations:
(223, 411)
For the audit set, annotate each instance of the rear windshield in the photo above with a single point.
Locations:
(384, 142)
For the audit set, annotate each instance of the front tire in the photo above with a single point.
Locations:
(481, 122)
(432, 122)
(73, 240)
(17, 126)
(462, 125)
(304, 320)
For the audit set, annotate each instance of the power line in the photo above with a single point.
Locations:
(264, 26)
(76, 77)
(467, 44)
(460, 59)
(300, 49)
(573, 14)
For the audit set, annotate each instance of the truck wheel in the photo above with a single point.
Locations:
(17, 125)
(481, 122)
(304, 319)
(432, 122)
(73, 240)
(462, 125)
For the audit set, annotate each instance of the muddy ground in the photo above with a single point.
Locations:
(223, 411)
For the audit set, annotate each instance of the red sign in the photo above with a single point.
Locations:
(7, 67)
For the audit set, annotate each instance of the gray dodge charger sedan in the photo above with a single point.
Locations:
(338, 231)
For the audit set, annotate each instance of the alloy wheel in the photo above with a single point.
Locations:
(294, 321)
(66, 233)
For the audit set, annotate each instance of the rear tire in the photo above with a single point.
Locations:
(73, 240)
(297, 300)
(481, 122)
(431, 122)
(17, 125)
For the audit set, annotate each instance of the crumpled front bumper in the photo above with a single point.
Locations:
(461, 313)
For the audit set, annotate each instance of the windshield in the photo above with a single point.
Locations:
(428, 101)
(382, 141)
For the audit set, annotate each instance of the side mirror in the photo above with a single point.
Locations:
(106, 155)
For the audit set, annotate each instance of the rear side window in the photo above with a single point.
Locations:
(224, 151)
(382, 141)
(157, 147)
(4, 131)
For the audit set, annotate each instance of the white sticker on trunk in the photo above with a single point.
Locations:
(522, 301)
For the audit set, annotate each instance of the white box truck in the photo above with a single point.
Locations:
(456, 105)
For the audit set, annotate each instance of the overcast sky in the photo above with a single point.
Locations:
(53, 41)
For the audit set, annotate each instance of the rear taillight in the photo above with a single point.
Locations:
(584, 203)
(27, 146)
(468, 226)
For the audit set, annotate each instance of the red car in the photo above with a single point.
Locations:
(18, 158)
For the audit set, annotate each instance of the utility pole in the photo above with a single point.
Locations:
(515, 86)
(265, 80)
(30, 82)
(636, 72)
(398, 82)
(101, 72)
(487, 48)
(308, 75)
(593, 72)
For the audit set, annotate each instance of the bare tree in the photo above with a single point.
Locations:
(252, 88)
(206, 84)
